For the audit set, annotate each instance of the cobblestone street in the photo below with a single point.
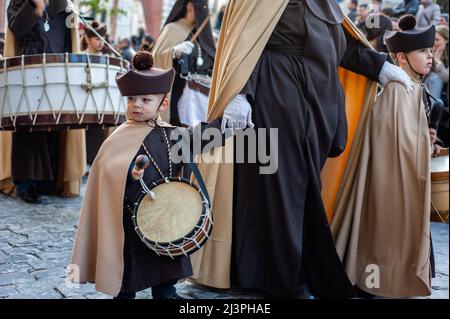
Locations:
(36, 243)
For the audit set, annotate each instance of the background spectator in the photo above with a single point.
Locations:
(352, 6)
(429, 13)
(444, 19)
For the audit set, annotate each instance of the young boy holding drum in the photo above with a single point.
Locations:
(108, 250)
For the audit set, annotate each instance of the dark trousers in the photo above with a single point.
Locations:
(36, 157)
(95, 136)
(159, 291)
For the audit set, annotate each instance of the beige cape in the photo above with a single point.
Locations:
(383, 214)
(246, 28)
(74, 143)
(171, 35)
(98, 248)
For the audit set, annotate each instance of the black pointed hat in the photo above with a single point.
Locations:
(409, 38)
(143, 78)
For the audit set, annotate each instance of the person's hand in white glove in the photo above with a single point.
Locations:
(238, 114)
(185, 47)
(391, 72)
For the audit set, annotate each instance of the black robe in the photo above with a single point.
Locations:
(143, 268)
(36, 155)
(281, 235)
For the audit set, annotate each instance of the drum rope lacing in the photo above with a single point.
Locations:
(168, 156)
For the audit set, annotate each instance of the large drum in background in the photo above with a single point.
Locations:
(60, 91)
(440, 188)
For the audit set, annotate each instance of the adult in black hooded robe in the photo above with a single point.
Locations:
(281, 239)
(174, 49)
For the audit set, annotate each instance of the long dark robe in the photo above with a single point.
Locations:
(143, 268)
(35, 155)
(281, 235)
(95, 136)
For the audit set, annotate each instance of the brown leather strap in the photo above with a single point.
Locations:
(198, 87)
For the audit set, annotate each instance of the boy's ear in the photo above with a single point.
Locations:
(164, 104)
(401, 57)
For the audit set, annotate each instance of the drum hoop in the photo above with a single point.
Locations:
(439, 176)
(59, 58)
(190, 248)
(204, 216)
(98, 66)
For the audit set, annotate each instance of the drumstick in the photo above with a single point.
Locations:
(141, 163)
(201, 28)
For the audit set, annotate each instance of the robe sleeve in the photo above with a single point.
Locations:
(214, 125)
(249, 88)
(361, 59)
(23, 20)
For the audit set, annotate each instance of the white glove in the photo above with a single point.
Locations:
(183, 48)
(70, 6)
(238, 114)
(391, 72)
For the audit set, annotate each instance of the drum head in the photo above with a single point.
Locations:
(174, 213)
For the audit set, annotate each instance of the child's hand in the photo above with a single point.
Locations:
(137, 174)
(437, 149)
(433, 136)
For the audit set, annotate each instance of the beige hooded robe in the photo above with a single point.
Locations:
(382, 216)
(98, 248)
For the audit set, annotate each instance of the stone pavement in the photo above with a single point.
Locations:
(36, 244)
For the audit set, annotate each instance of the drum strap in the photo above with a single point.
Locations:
(193, 166)
(198, 176)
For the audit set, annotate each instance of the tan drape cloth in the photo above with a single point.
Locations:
(74, 151)
(383, 211)
(171, 35)
(246, 28)
(98, 248)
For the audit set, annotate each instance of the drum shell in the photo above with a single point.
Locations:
(440, 194)
(81, 93)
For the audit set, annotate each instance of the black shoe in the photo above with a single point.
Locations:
(363, 294)
(126, 295)
(170, 296)
(30, 195)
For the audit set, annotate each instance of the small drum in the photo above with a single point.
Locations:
(60, 91)
(440, 188)
(177, 221)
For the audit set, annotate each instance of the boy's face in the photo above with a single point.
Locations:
(144, 108)
(96, 44)
(421, 60)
